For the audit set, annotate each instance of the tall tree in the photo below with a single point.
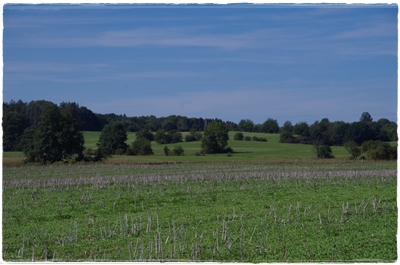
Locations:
(112, 137)
(215, 138)
(246, 125)
(365, 117)
(270, 126)
(55, 138)
(14, 125)
(70, 137)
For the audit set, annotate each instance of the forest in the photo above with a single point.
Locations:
(20, 117)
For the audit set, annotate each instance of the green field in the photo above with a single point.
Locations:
(244, 151)
(267, 202)
(201, 212)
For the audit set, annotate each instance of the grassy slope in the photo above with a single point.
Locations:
(246, 151)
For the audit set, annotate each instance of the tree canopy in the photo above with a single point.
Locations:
(55, 138)
(113, 137)
(215, 138)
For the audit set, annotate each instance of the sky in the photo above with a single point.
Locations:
(286, 62)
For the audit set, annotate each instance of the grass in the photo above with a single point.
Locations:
(267, 202)
(226, 212)
(246, 151)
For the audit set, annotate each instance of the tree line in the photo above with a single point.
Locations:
(22, 122)
(19, 116)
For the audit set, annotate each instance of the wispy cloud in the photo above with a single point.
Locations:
(369, 31)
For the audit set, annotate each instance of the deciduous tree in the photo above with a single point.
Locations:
(215, 138)
(112, 137)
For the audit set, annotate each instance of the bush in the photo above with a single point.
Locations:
(178, 150)
(378, 150)
(247, 138)
(238, 136)
(353, 149)
(90, 155)
(141, 146)
(143, 133)
(200, 153)
(323, 151)
(119, 151)
(286, 137)
(193, 136)
(190, 138)
(166, 150)
(176, 137)
(259, 139)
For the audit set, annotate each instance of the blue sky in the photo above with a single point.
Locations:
(286, 62)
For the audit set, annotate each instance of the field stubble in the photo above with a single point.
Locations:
(190, 212)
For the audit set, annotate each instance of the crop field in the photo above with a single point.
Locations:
(226, 212)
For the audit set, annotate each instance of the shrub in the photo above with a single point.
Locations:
(378, 150)
(200, 153)
(178, 150)
(166, 150)
(119, 151)
(353, 149)
(247, 138)
(190, 138)
(141, 146)
(238, 136)
(176, 137)
(286, 137)
(323, 151)
(143, 133)
(193, 136)
(97, 155)
(259, 139)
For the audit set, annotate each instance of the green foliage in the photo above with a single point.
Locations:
(246, 125)
(353, 149)
(215, 138)
(14, 125)
(323, 151)
(95, 155)
(176, 137)
(270, 126)
(287, 127)
(365, 117)
(169, 137)
(166, 150)
(247, 138)
(378, 150)
(112, 137)
(239, 213)
(141, 146)
(259, 139)
(178, 150)
(193, 136)
(238, 136)
(70, 138)
(160, 137)
(144, 133)
(301, 128)
(360, 132)
(56, 137)
(286, 137)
